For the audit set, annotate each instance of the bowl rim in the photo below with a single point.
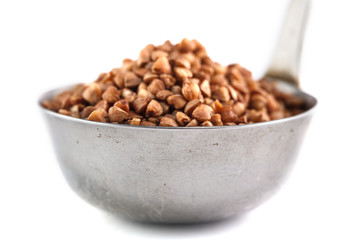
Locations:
(313, 104)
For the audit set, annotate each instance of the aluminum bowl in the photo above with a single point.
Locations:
(176, 175)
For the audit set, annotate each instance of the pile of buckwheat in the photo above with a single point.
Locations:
(176, 85)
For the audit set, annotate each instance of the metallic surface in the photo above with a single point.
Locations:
(176, 175)
(180, 175)
(285, 62)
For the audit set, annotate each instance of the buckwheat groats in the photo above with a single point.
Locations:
(176, 86)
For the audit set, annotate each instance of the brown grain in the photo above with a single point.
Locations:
(176, 85)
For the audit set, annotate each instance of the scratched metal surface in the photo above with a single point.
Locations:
(176, 175)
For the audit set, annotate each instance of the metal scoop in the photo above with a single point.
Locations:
(182, 175)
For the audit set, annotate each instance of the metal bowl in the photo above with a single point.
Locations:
(182, 175)
(176, 175)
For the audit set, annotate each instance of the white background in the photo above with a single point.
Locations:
(47, 44)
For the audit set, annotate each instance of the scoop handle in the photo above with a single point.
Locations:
(286, 58)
